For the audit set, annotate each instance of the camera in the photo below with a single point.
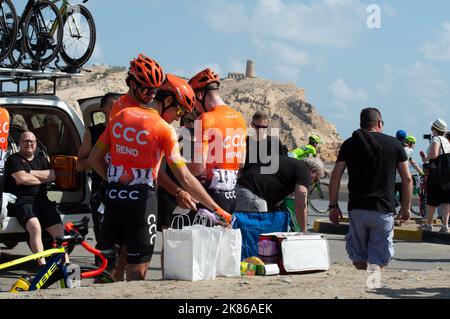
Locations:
(426, 136)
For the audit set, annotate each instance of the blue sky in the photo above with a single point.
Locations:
(324, 46)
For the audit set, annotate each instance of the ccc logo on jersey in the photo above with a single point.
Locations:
(123, 194)
(129, 134)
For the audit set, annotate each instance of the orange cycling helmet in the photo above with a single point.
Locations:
(181, 90)
(203, 79)
(146, 71)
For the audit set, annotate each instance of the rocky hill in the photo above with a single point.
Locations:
(285, 104)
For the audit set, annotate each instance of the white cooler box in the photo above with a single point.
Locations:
(295, 252)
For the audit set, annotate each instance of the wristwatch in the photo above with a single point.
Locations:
(333, 206)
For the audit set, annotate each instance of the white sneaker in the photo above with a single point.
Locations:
(427, 227)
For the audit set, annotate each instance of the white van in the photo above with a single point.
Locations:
(59, 130)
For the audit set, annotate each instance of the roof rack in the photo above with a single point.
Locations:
(16, 78)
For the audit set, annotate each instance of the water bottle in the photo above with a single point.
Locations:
(22, 284)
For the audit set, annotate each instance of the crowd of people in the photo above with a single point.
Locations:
(144, 171)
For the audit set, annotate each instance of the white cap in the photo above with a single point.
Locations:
(439, 125)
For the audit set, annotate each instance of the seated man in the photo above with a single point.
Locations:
(27, 174)
(257, 191)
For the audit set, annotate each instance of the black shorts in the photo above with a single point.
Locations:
(45, 211)
(130, 219)
(437, 196)
(225, 199)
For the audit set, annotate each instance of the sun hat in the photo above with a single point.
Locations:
(439, 125)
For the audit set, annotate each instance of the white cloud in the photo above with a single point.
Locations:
(419, 84)
(439, 49)
(280, 52)
(344, 93)
(333, 23)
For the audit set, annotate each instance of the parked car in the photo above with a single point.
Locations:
(59, 130)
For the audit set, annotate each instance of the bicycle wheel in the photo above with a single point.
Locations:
(318, 198)
(78, 36)
(57, 278)
(8, 28)
(43, 31)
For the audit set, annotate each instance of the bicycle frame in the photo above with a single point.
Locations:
(63, 10)
(55, 263)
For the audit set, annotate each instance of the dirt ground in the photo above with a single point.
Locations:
(340, 282)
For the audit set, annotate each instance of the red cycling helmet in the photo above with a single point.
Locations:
(181, 90)
(203, 79)
(146, 71)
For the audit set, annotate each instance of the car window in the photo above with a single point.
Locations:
(52, 127)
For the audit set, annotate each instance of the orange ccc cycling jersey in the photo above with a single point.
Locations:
(121, 103)
(224, 133)
(137, 137)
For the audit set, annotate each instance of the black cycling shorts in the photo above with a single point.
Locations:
(225, 199)
(44, 210)
(130, 219)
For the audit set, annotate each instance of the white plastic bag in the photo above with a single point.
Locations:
(191, 253)
(230, 250)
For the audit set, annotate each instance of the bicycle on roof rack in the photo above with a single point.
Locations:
(56, 270)
(47, 32)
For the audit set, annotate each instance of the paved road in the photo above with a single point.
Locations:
(409, 256)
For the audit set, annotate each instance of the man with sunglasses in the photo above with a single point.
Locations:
(137, 138)
(220, 151)
(260, 145)
(144, 78)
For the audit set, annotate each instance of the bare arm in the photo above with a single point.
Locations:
(335, 182)
(193, 187)
(97, 161)
(434, 152)
(407, 185)
(416, 166)
(335, 214)
(24, 178)
(44, 176)
(184, 200)
(83, 153)
(301, 212)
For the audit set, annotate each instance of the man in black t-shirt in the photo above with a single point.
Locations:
(261, 147)
(27, 175)
(371, 159)
(259, 191)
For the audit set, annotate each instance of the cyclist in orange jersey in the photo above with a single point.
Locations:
(220, 155)
(145, 76)
(4, 132)
(175, 92)
(137, 137)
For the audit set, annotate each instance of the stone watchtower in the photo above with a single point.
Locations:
(250, 71)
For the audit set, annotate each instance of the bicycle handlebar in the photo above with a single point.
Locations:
(80, 239)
